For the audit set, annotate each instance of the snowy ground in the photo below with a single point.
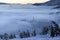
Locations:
(35, 38)
(26, 17)
(39, 37)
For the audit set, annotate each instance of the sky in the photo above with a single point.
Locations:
(23, 1)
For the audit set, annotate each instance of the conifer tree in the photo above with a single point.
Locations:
(34, 33)
(14, 36)
(28, 34)
(5, 36)
(11, 36)
(52, 34)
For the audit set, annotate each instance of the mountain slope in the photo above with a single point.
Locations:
(49, 3)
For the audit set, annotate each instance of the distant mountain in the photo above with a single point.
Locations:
(3, 3)
(49, 3)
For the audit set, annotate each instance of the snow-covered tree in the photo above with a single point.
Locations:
(28, 34)
(5, 36)
(45, 30)
(54, 29)
(34, 33)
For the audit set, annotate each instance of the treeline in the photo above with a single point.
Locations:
(53, 30)
(6, 36)
(21, 35)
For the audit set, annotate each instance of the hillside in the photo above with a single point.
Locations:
(49, 3)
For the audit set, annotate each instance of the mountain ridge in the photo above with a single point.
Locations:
(49, 3)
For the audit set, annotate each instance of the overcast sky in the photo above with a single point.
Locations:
(23, 1)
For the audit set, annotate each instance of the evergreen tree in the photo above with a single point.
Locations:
(34, 33)
(24, 34)
(56, 28)
(1, 36)
(11, 36)
(21, 35)
(28, 34)
(52, 32)
(45, 30)
(55, 24)
(5, 36)
(14, 36)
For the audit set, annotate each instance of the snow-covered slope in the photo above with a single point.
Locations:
(14, 18)
(43, 37)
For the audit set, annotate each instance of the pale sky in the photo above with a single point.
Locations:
(23, 1)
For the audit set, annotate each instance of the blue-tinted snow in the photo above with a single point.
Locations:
(25, 17)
